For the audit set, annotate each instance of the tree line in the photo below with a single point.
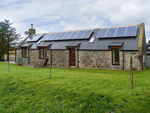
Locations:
(9, 38)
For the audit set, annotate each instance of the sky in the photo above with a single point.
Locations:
(62, 15)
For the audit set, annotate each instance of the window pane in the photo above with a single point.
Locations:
(115, 56)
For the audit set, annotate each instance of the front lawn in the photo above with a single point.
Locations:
(28, 89)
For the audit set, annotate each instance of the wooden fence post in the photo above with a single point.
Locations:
(131, 72)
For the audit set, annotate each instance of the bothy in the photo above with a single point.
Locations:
(109, 48)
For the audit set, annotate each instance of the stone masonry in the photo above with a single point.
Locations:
(60, 58)
(94, 59)
(84, 59)
(103, 59)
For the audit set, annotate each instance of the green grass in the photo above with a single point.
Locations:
(27, 89)
(10, 54)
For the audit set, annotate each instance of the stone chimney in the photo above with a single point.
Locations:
(31, 31)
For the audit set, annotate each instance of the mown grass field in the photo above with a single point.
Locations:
(11, 57)
(29, 90)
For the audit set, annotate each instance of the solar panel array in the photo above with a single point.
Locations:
(117, 32)
(83, 34)
(34, 37)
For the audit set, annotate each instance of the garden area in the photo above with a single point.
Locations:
(28, 89)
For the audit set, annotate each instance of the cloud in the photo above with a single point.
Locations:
(59, 15)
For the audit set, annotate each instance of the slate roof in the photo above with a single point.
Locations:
(25, 45)
(129, 43)
(115, 44)
(43, 44)
(72, 44)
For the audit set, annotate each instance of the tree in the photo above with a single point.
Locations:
(8, 36)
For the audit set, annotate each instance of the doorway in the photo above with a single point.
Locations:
(72, 56)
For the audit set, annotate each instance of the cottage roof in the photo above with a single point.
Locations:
(129, 43)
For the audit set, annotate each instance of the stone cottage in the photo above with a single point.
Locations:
(107, 47)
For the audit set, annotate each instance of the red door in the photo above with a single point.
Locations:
(72, 56)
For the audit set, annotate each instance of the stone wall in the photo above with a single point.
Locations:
(18, 54)
(142, 44)
(136, 60)
(60, 58)
(94, 59)
(84, 59)
(103, 59)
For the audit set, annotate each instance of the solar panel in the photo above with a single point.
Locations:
(120, 31)
(102, 33)
(61, 36)
(64, 35)
(56, 36)
(131, 31)
(52, 35)
(80, 34)
(72, 36)
(87, 34)
(34, 37)
(111, 32)
(46, 36)
(67, 35)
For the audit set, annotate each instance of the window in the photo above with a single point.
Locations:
(42, 53)
(92, 40)
(24, 52)
(115, 56)
(39, 42)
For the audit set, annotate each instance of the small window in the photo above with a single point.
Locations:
(115, 56)
(92, 40)
(42, 53)
(24, 53)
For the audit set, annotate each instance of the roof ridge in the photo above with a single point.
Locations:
(120, 26)
(64, 31)
(87, 29)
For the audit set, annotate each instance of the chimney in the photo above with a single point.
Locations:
(31, 26)
(32, 31)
